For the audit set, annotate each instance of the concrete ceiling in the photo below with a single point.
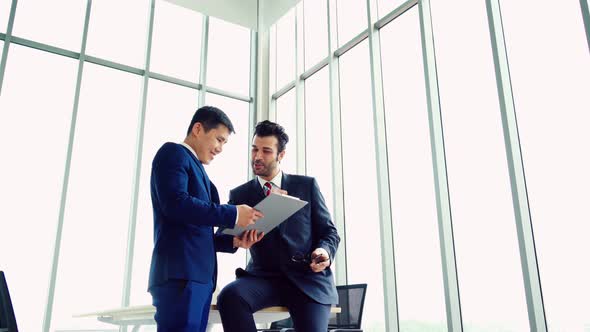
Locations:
(241, 12)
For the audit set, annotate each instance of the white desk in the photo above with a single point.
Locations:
(137, 316)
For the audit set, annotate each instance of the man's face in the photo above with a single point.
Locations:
(209, 143)
(265, 156)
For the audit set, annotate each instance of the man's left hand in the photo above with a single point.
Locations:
(320, 260)
(247, 239)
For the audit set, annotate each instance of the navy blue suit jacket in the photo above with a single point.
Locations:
(306, 230)
(186, 207)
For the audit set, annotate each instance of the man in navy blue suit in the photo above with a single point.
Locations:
(186, 207)
(291, 265)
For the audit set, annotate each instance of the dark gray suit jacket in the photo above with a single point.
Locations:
(307, 229)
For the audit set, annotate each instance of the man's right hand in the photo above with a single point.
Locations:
(247, 215)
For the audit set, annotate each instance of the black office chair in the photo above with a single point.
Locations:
(283, 325)
(7, 319)
(351, 302)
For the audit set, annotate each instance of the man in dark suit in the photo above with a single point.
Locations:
(186, 207)
(291, 265)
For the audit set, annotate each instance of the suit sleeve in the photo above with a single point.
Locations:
(325, 233)
(170, 185)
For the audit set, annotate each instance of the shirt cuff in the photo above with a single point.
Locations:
(237, 215)
(323, 252)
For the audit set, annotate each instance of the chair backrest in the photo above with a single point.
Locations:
(281, 324)
(351, 299)
(7, 319)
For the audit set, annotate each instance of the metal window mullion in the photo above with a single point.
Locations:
(127, 277)
(272, 103)
(228, 94)
(395, 13)
(524, 227)
(7, 40)
(204, 54)
(382, 173)
(443, 205)
(336, 128)
(299, 90)
(64, 193)
(254, 49)
(44, 47)
(585, 17)
(176, 81)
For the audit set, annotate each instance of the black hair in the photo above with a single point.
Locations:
(268, 128)
(210, 117)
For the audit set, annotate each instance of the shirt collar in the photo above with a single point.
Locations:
(276, 181)
(190, 149)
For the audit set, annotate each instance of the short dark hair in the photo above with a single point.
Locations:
(268, 128)
(210, 117)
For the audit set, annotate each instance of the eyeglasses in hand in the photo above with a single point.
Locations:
(303, 259)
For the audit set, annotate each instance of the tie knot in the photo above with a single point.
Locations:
(267, 188)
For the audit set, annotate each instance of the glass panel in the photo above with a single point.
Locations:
(170, 109)
(272, 70)
(384, 7)
(286, 49)
(172, 24)
(36, 20)
(553, 127)
(4, 12)
(287, 117)
(34, 136)
(229, 57)
(413, 203)
(318, 133)
(92, 258)
(235, 156)
(118, 31)
(360, 183)
(352, 19)
(490, 276)
(315, 15)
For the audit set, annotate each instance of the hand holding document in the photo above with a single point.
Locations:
(276, 208)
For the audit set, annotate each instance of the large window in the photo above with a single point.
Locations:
(36, 20)
(550, 72)
(228, 65)
(118, 31)
(172, 24)
(419, 285)
(36, 107)
(360, 183)
(97, 210)
(33, 141)
(384, 7)
(287, 117)
(352, 19)
(4, 12)
(489, 271)
(285, 54)
(318, 152)
(315, 19)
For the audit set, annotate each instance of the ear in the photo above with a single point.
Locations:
(197, 127)
(281, 155)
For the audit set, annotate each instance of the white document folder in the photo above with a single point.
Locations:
(276, 209)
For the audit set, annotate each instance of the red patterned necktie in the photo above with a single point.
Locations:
(267, 188)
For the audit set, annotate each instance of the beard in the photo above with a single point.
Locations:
(265, 170)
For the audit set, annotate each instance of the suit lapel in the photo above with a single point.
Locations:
(285, 185)
(202, 169)
(257, 188)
